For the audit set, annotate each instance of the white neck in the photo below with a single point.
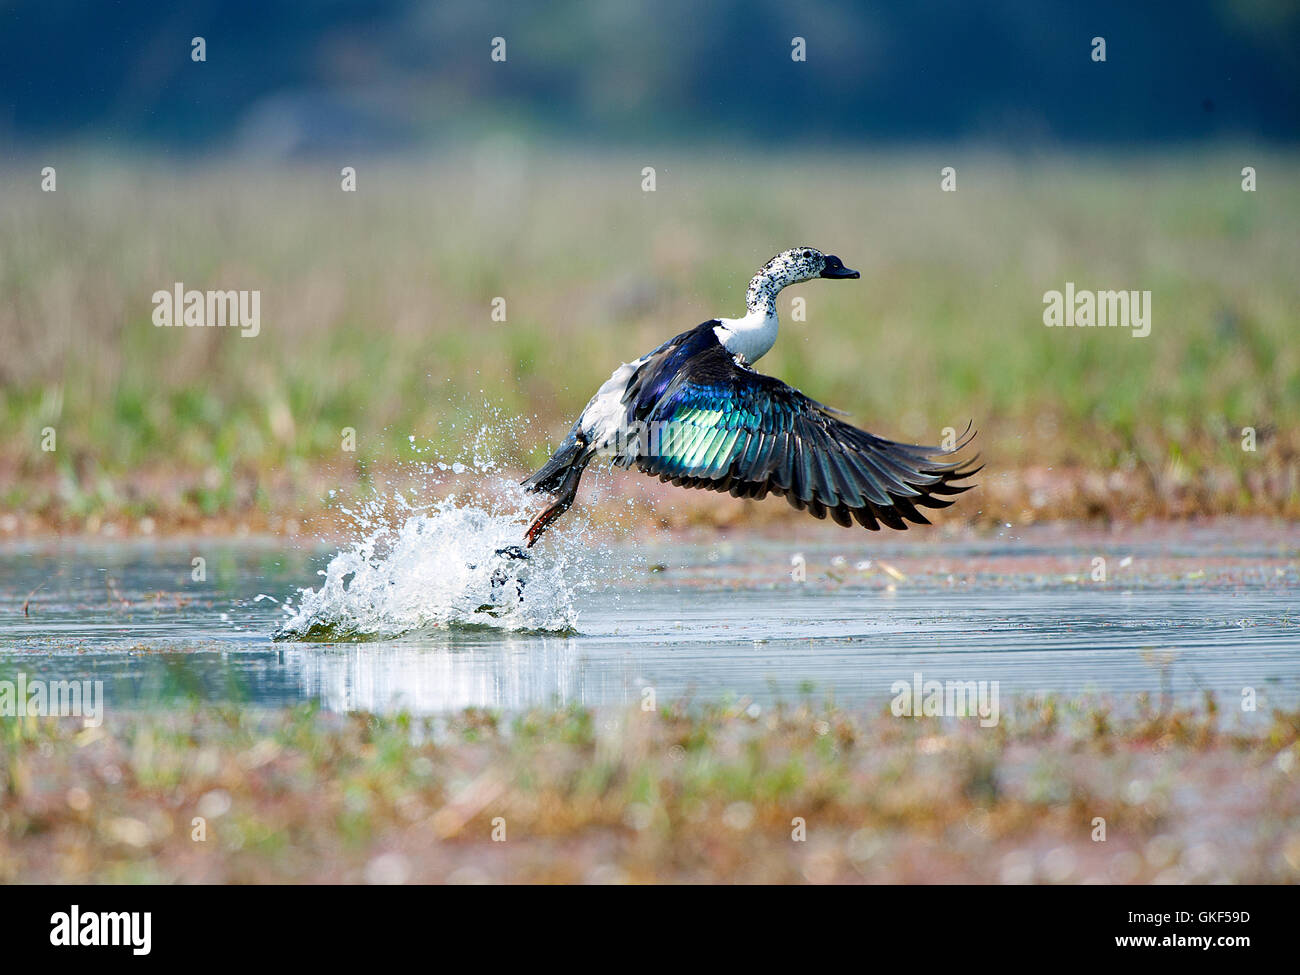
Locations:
(749, 337)
(752, 336)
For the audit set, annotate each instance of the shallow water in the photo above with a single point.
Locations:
(1181, 611)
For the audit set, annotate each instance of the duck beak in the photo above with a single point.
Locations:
(835, 269)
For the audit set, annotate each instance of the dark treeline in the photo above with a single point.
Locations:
(285, 76)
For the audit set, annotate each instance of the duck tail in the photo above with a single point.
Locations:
(550, 476)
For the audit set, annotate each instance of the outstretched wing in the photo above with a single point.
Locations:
(721, 426)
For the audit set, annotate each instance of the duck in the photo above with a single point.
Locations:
(694, 412)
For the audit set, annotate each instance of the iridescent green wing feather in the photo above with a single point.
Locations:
(721, 426)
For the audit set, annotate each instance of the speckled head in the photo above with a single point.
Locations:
(791, 267)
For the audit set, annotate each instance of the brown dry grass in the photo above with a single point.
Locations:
(677, 795)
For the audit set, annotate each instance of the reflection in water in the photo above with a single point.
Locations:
(511, 673)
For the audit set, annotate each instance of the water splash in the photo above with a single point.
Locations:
(447, 564)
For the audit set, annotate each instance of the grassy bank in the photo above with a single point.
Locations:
(377, 317)
(682, 794)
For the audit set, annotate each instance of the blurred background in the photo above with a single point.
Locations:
(524, 179)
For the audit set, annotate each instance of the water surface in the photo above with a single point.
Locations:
(1180, 611)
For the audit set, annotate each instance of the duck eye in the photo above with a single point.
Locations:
(807, 253)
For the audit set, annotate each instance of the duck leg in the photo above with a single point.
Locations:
(564, 497)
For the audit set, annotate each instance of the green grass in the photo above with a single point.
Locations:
(376, 309)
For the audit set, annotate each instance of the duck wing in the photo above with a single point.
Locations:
(712, 422)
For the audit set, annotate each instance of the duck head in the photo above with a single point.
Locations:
(791, 267)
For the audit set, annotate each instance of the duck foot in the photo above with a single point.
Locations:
(506, 586)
